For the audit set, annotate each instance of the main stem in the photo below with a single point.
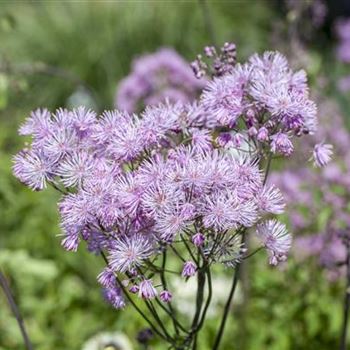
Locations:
(228, 302)
(15, 310)
(227, 309)
(199, 303)
(346, 304)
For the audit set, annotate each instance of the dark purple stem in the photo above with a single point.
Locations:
(15, 310)
(346, 305)
(228, 304)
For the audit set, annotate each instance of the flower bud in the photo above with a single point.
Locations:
(165, 296)
(198, 239)
(189, 269)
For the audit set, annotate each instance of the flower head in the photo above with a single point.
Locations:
(146, 290)
(165, 296)
(271, 200)
(156, 77)
(106, 277)
(129, 252)
(322, 154)
(189, 269)
(33, 169)
(276, 239)
(198, 239)
(281, 144)
(113, 295)
(223, 97)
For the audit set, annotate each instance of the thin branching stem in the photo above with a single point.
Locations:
(189, 250)
(171, 312)
(177, 253)
(252, 253)
(268, 166)
(154, 313)
(172, 316)
(142, 314)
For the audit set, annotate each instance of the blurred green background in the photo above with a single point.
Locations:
(66, 53)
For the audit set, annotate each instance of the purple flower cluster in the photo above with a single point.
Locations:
(314, 11)
(267, 97)
(220, 63)
(343, 84)
(156, 77)
(342, 29)
(137, 186)
(321, 222)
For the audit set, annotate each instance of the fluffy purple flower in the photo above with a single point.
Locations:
(169, 222)
(281, 144)
(113, 295)
(322, 154)
(75, 168)
(248, 177)
(188, 211)
(155, 78)
(83, 121)
(263, 134)
(38, 124)
(219, 214)
(156, 198)
(76, 210)
(189, 269)
(276, 239)
(283, 93)
(135, 184)
(271, 200)
(33, 169)
(201, 140)
(223, 97)
(71, 241)
(127, 141)
(129, 252)
(106, 277)
(146, 290)
(61, 143)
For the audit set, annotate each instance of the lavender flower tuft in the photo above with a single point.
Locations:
(276, 239)
(322, 154)
(146, 290)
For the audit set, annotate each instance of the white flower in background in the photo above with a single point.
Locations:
(185, 294)
(108, 341)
